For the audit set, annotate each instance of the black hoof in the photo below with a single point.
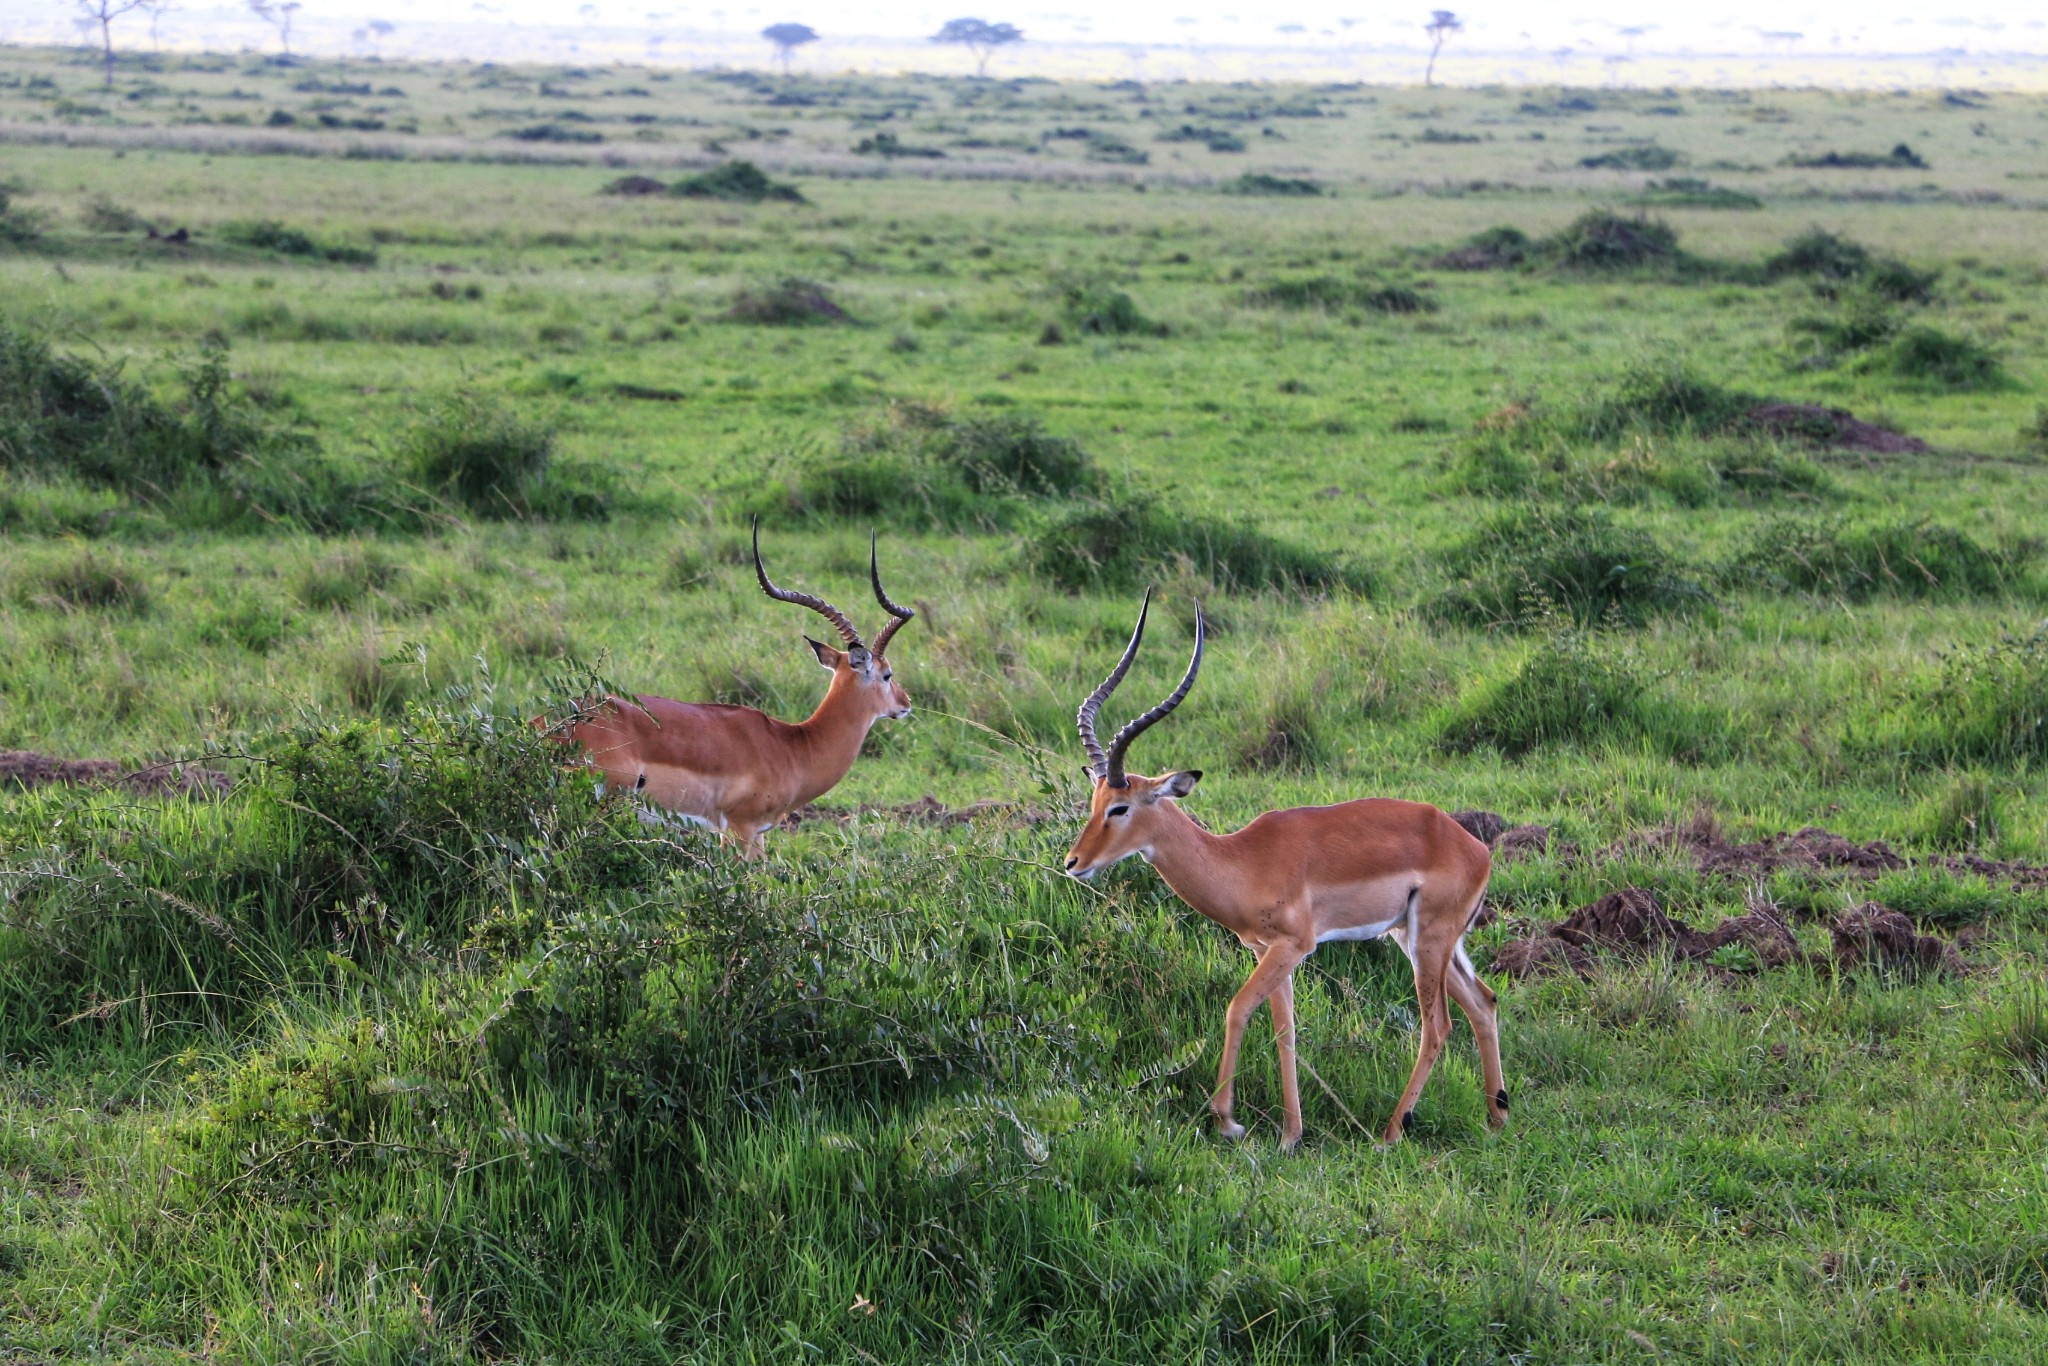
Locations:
(1407, 1121)
(1500, 1098)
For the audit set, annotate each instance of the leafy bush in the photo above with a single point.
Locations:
(1285, 187)
(740, 182)
(1326, 292)
(1101, 310)
(267, 235)
(1663, 397)
(1601, 240)
(1864, 319)
(1577, 563)
(1119, 542)
(1900, 158)
(1649, 157)
(889, 145)
(484, 456)
(1928, 356)
(1915, 559)
(920, 466)
(1986, 704)
(1567, 689)
(1836, 260)
(554, 132)
(790, 302)
(1494, 249)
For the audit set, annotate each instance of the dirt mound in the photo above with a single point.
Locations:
(1485, 826)
(26, 768)
(1836, 428)
(1810, 848)
(1878, 936)
(1633, 922)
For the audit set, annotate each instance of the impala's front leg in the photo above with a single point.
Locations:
(1276, 966)
(1281, 1004)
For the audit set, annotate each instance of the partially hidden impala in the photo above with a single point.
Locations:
(1292, 880)
(737, 770)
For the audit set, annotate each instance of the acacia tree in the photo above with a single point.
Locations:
(979, 37)
(788, 38)
(1442, 24)
(156, 10)
(279, 16)
(102, 14)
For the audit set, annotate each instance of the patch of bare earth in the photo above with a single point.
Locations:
(28, 769)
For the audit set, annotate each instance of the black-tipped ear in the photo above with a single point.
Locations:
(1179, 784)
(827, 656)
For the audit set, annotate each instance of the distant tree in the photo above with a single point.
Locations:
(1442, 24)
(374, 33)
(279, 15)
(788, 38)
(156, 10)
(101, 14)
(979, 37)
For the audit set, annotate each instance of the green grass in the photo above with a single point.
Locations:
(411, 1049)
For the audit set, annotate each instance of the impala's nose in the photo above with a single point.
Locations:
(1072, 860)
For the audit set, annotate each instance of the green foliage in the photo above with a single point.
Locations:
(1984, 704)
(2011, 1030)
(17, 227)
(86, 581)
(1119, 542)
(270, 235)
(1326, 292)
(789, 302)
(1915, 558)
(1527, 563)
(1570, 688)
(554, 132)
(1646, 157)
(479, 453)
(1603, 240)
(1101, 310)
(1691, 192)
(889, 145)
(1665, 398)
(1965, 813)
(1900, 158)
(739, 182)
(1281, 187)
(1494, 249)
(1863, 319)
(1928, 356)
(1833, 260)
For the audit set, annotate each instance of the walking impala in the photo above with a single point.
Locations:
(1298, 878)
(738, 770)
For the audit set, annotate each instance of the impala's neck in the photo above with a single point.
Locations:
(832, 735)
(1195, 863)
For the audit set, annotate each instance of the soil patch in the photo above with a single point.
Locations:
(926, 810)
(26, 768)
(1835, 428)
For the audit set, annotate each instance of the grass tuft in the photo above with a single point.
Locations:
(1528, 563)
(1119, 542)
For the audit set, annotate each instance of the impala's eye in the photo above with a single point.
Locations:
(1120, 809)
(889, 675)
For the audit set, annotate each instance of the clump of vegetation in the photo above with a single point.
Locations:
(1603, 240)
(1933, 358)
(737, 182)
(1965, 814)
(1568, 689)
(1101, 310)
(554, 132)
(85, 582)
(1494, 249)
(921, 466)
(16, 225)
(478, 453)
(1327, 292)
(1691, 192)
(1119, 542)
(889, 145)
(1900, 158)
(1663, 397)
(1529, 564)
(1646, 157)
(1985, 704)
(1283, 187)
(2012, 1031)
(2034, 434)
(104, 215)
(1862, 320)
(1833, 261)
(789, 302)
(1910, 558)
(268, 235)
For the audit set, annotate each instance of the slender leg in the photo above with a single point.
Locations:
(1431, 961)
(1281, 1003)
(1276, 965)
(1476, 999)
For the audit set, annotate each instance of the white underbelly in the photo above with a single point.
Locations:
(1358, 931)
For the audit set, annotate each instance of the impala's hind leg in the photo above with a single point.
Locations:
(1477, 1000)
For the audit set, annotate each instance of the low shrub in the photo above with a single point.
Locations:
(1984, 704)
(889, 145)
(2034, 435)
(1603, 240)
(1647, 157)
(1326, 292)
(86, 582)
(1909, 558)
(17, 227)
(738, 182)
(1864, 319)
(1928, 356)
(790, 302)
(1690, 192)
(476, 452)
(1834, 260)
(554, 132)
(1104, 311)
(1531, 563)
(1494, 249)
(268, 235)
(1285, 187)
(1120, 542)
(1900, 158)
(1666, 398)
(1569, 688)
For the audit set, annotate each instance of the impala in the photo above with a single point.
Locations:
(738, 770)
(1292, 880)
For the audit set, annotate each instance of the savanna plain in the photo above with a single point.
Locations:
(1661, 472)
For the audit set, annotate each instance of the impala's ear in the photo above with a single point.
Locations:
(827, 656)
(1178, 784)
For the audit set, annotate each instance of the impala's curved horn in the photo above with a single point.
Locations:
(1084, 720)
(1113, 770)
(816, 604)
(895, 609)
